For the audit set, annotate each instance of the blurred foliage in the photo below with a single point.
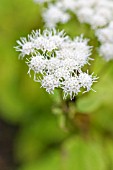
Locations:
(41, 144)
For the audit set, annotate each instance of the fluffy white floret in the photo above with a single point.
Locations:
(71, 87)
(67, 4)
(25, 47)
(105, 34)
(37, 64)
(86, 80)
(54, 15)
(49, 82)
(106, 51)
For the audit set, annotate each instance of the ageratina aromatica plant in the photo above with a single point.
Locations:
(63, 64)
(75, 39)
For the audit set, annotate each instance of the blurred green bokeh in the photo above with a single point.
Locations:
(41, 144)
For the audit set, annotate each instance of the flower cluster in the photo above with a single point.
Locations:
(58, 12)
(57, 61)
(105, 36)
(94, 12)
(97, 13)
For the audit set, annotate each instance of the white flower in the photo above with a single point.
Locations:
(58, 40)
(71, 87)
(57, 61)
(25, 47)
(65, 52)
(86, 80)
(62, 73)
(66, 4)
(111, 25)
(48, 40)
(98, 21)
(77, 50)
(106, 51)
(82, 3)
(105, 12)
(96, 13)
(85, 14)
(37, 64)
(54, 15)
(49, 82)
(44, 43)
(70, 64)
(53, 64)
(82, 50)
(105, 34)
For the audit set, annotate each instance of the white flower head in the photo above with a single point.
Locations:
(37, 64)
(105, 34)
(70, 64)
(49, 39)
(62, 73)
(86, 80)
(106, 51)
(54, 15)
(53, 65)
(57, 61)
(25, 47)
(94, 12)
(67, 5)
(71, 87)
(49, 82)
(97, 13)
(85, 14)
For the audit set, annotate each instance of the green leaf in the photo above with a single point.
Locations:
(83, 154)
(49, 162)
(104, 94)
(88, 103)
(103, 118)
(27, 147)
(36, 134)
(109, 153)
